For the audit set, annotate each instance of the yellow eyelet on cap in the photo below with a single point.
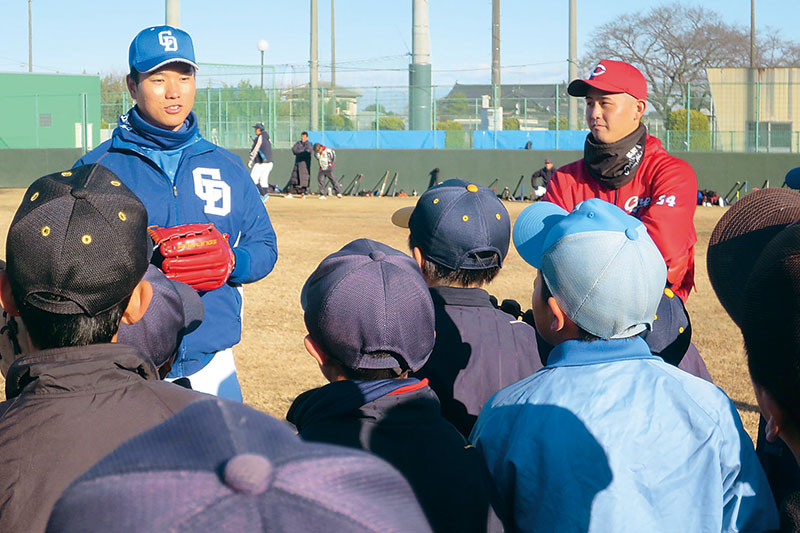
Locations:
(34, 196)
(680, 330)
(669, 293)
(45, 231)
(472, 187)
(498, 216)
(66, 174)
(465, 218)
(86, 239)
(122, 216)
(435, 200)
(116, 183)
(655, 317)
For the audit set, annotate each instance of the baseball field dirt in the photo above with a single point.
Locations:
(273, 364)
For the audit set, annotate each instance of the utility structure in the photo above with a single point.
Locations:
(752, 85)
(30, 39)
(172, 13)
(262, 46)
(333, 55)
(572, 106)
(314, 70)
(420, 94)
(497, 118)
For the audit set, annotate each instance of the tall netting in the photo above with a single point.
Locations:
(734, 110)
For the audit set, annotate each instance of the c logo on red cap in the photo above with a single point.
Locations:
(599, 70)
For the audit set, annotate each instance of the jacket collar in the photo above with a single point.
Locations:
(460, 296)
(340, 397)
(77, 368)
(581, 353)
(132, 127)
(135, 134)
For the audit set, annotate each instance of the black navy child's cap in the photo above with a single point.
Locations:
(459, 225)
(369, 297)
(78, 243)
(221, 466)
(174, 311)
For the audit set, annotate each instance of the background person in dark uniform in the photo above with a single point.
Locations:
(298, 183)
(261, 160)
(326, 157)
(545, 173)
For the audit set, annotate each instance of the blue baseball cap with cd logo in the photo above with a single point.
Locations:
(157, 46)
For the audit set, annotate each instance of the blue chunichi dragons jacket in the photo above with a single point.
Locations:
(181, 178)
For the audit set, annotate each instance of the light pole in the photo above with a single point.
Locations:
(30, 39)
(262, 45)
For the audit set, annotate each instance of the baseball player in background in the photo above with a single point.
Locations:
(625, 166)
(181, 178)
(326, 157)
(298, 181)
(261, 161)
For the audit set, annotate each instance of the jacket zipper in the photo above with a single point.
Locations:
(169, 181)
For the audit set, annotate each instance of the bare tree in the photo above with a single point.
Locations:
(673, 45)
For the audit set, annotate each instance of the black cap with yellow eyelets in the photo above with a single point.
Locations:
(459, 225)
(78, 243)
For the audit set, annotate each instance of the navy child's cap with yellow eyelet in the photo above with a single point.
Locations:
(78, 243)
(459, 225)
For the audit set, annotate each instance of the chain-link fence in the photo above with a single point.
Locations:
(729, 113)
(719, 123)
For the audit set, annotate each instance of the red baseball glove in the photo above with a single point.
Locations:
(196, 254)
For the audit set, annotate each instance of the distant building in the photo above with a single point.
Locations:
(534, 105)
(49, 111)
(759, 113)
(346, 99)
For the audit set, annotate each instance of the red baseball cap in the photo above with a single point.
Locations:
(612, 77)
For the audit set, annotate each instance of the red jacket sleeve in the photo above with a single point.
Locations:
(560, 190)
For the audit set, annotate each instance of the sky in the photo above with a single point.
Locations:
(373, 38)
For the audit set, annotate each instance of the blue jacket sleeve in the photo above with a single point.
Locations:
(747, 498)
(257, 248)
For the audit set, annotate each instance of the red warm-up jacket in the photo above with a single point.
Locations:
(662, 194)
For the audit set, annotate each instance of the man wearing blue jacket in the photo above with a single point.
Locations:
(181, 178)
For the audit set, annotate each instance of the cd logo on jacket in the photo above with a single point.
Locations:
(209, 187)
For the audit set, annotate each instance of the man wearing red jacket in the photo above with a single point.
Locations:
(625, 166)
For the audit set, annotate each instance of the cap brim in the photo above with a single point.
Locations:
(581, 87)
(531, 229)
(167, 62)
(671, 332)
(793, 178)
(193, 308)
(402, 216)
